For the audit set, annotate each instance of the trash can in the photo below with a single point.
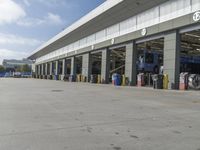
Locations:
(183, 82)
(93, 78)
(62, 77)
(55, 77)
(49, 77)
(157, 81)
(116, 79)
(66, 77)
(72, 78)
(45, 77)
(140, 79)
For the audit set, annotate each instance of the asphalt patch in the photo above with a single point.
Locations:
(117, 148)
(57, 91)
(134, 136)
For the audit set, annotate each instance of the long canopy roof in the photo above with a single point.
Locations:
(105, 15)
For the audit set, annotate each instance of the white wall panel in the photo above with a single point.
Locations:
(113, 31)
(101, 36)
(148, 18)
(76, 45)
(83, 42)
(71, 47)
(195, 5)
(91, 39)
(174, 9)
(128, 26)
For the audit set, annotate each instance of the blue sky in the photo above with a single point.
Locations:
(26, 24)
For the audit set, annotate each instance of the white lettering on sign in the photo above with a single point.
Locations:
(144, 32)
(196, 16)
(113, 41)
(92, 47)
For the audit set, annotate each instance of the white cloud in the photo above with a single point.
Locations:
(10, 11)
(27, 3)
(54, 18)
(50, 19)
(6, 39)
(53, 3)
(10, 54)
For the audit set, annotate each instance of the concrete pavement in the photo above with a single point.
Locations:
(54, 115)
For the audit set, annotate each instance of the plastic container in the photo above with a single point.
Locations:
(116, 79)
(93, 78)
(157, 81)
(183, 82)
(56, 77)
(140, 79)
(72, 78)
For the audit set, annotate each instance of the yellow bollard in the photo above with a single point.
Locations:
(83, 78)
(123, 80)
(165, 81)
(78, 78)
(98, 79)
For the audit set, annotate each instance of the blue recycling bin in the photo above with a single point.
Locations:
(55, 77)
(72, 78)
(116, 79)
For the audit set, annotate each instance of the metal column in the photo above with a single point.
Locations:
(105, 66)
(73, 66)
(172, 45)
(130, 65)
(86, 66)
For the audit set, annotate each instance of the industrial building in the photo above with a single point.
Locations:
(13, 64)
(126, 37)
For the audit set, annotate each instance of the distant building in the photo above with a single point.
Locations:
(12, 64)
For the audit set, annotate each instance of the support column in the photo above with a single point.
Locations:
(68, 62)
(42, 71)
(46, 69)
(56, 67)
(130, 65)
(86, 66)
(36, 69)
(73, 66)
(172, 45)
(105, 66)
(51, 68)
(63, 69)
(39, 69)
(64, 66)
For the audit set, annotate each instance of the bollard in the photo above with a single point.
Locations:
(83, 78)
(78, 78)
(165, 81)
(124, 80)
(99, 79)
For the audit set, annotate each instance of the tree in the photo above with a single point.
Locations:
(2, 69)
(18, 69)
(25, 68)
